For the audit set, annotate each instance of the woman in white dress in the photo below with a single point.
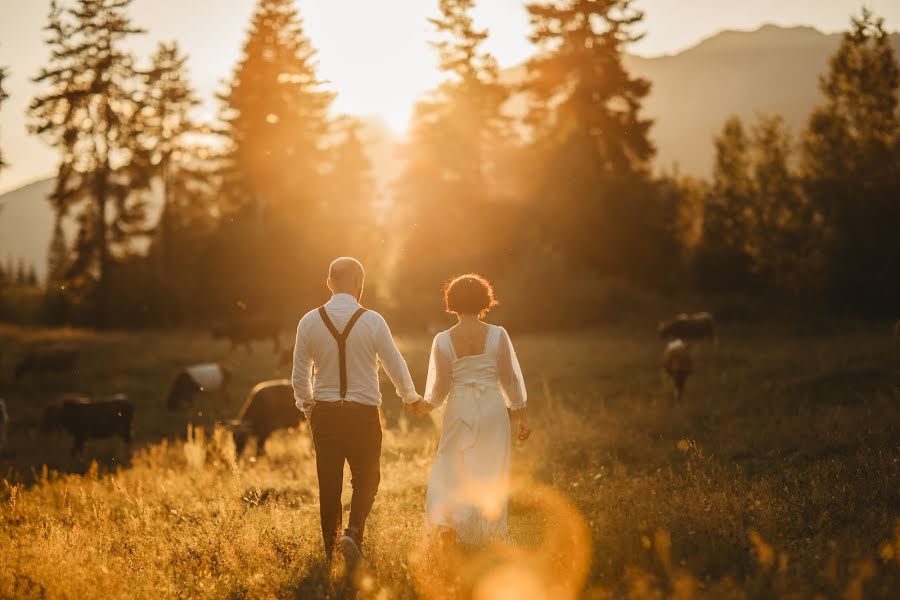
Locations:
(473, 368)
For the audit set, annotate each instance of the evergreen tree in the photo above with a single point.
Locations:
(592, 194)
(165, 135)
(31, 278)
(275, 115)
(579, 77)
(450, 184)
(722, 258)
(21, 273)
(351, 226)
(781, 235)
(850, 164)
(3, 96)
(57, 256)
(88, 113)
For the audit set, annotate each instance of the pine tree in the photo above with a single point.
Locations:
(351, 226)
(31, 278)
(456, 135)
(3, 96)
(165, 136)
(781, 234)
(57, 256)
(21, 273)
(592, 196)
(850, 163)
(722, 259)
(581, 87)
(275, 115)
(88, 113)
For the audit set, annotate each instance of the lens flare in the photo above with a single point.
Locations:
(550, 564)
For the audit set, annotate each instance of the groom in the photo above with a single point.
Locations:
(335, 383)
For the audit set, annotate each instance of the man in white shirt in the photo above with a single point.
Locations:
(335, 381)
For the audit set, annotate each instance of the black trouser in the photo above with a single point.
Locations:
(346, 431)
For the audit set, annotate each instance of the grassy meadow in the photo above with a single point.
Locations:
(777, 478)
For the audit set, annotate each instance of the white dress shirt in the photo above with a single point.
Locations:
(316, 376)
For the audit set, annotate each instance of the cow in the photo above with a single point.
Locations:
(269, 407)
(85, 418)
(897, 328)
(676, 363)
(698, 326)
(243, 330)
(4, 425)
(193, 379)
(47, 360)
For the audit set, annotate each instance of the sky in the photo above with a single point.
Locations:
(375, 54)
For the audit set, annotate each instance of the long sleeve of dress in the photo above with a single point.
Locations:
(437, 387)
(509, 373)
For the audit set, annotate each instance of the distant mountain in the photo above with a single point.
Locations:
(770, 70)
(26, 222)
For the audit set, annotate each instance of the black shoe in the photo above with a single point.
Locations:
(350, 548)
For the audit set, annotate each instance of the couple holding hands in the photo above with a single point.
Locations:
(473, 369)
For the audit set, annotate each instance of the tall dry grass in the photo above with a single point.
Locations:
(777, 479)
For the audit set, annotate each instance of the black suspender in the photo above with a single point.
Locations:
(341, 339)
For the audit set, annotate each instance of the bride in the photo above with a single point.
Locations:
(473, 368)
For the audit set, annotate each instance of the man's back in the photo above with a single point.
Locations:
(316, 356)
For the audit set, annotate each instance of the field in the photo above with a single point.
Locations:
(778, 478)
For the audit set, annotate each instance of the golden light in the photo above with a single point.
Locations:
(554, 567)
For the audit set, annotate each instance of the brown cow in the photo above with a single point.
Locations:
(676, 362)
(47, 360)
(698, 326)
(269, 407)
(85, 418)
(897, 328)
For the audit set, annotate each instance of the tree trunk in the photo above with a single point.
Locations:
(166, 248)
(102, 317)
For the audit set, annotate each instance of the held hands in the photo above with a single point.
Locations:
(419, 408)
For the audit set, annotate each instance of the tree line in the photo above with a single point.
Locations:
(550, 202)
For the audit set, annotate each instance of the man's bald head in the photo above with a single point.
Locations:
(346, 276)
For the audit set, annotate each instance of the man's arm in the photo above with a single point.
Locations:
(301, 376)
(393, 363)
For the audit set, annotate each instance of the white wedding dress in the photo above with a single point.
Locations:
(469, 484)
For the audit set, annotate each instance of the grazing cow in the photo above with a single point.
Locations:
(243, 330)
(47, 360)
(698, 326)
(676, 362)
(203, 377)
(85, 419)
(4, 425)
(269, 407)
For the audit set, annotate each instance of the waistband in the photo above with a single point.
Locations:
(344, 405)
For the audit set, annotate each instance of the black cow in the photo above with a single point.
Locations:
(243, 330)
(699, 326)
(269, 407)
(47, 360)
(191, 380)
(85, 419)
